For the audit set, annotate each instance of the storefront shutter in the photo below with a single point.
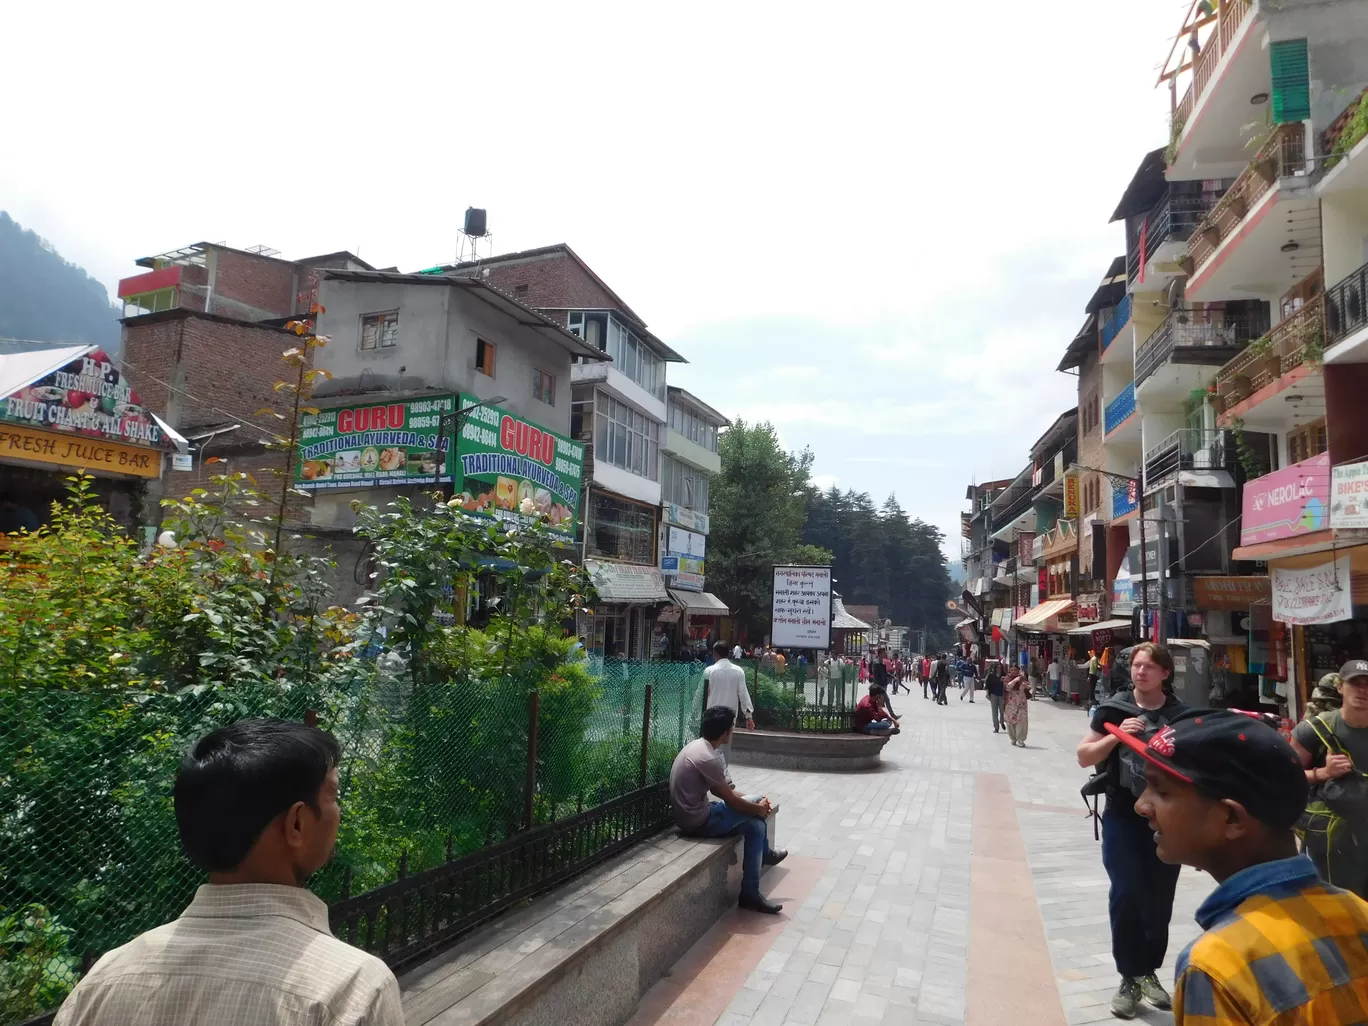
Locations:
(1291, 81)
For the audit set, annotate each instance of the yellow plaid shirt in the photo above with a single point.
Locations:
(1280, 948)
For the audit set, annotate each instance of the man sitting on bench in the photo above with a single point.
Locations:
(697, 770)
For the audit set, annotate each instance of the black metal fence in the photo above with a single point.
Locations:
(1346, 306)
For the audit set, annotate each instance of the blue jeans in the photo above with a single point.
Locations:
(1140, 903)
(877, 727)
(727, 822)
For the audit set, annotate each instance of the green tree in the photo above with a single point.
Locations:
(759, 508)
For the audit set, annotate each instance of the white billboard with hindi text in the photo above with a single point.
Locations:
(800, 612)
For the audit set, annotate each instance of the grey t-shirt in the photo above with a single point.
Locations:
(697, 770)
(1353, 740)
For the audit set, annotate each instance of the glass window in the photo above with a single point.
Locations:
(380, 331)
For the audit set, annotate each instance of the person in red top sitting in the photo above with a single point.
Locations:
(872, 714)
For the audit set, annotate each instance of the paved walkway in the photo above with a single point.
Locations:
(959, 885)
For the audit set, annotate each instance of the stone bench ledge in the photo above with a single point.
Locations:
(800, 751)
(587, 952)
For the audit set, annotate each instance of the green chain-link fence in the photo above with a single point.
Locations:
(807, 697)
(89, 854)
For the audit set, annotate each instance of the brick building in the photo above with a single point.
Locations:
(203, 331)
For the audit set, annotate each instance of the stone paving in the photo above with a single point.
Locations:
(885, 935)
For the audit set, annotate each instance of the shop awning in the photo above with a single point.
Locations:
(23, 363)
(1106, 625)
(1034, 619)
(627, 583)
(699, 603)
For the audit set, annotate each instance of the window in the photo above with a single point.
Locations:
(633, 357)
(1307, 441)
(544, 387)
(694, 427)
(625, 438)
(621, 529)
(380, 331)
(683, 485)
(484, 357)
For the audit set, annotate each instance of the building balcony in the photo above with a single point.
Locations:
(1015, 514)
(1162, 245)
(1177, 358)
(1190, 449)
(1297, 341)
(1229, 68)
(1346, 319)
(1121, 410)
(1266, 228)
(1116, 324)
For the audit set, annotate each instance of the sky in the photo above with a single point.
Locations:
(874, 225)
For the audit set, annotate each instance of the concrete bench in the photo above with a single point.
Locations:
(587, 952)
(822, 752)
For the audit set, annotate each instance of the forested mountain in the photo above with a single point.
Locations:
(882, 557)
(46, 298)
(765, 510)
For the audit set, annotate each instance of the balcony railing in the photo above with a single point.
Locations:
(1182, 329)
(1346, 306)
(1119, 409)
(1281, 156)
(1119, 319)
(1188, 449)
(1124, 500)
(1296, 339)
(1232, 13)
(1173, 219)
(1015, 508)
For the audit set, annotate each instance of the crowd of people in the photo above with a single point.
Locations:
(1280, 824)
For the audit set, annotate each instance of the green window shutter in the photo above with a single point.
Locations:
(1291, 81)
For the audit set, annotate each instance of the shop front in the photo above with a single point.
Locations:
(625, 621)
(68, 409)
(701, 620)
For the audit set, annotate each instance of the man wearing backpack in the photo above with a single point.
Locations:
(1333, 746)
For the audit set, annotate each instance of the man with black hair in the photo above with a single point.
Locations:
(698, 770)
(1222, 794)
(256, 806)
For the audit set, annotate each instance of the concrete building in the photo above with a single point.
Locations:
(619, 412)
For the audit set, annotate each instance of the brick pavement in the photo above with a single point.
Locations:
(885, 934)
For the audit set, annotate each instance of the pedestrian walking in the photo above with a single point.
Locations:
(1222, 794)
(256, 808)
(1333, 748)
(970, 681)
(1017, 693)
(1053, 672)
(726, 685)
(1140, 902)
(929, 676)
(992, 684)
(943, 680)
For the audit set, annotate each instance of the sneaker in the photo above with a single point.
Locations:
(1154, 992)
(1126, 1001)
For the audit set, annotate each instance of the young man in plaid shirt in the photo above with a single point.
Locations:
(1280, 946)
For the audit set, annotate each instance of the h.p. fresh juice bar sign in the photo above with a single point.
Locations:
(503, 460)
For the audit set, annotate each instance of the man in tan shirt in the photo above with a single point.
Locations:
(256, 804)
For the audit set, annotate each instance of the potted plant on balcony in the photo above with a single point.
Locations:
(1265, 357)
(1215, 399)
(1308, 338)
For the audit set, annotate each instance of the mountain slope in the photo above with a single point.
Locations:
(46, 298)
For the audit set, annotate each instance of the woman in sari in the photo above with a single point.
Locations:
(1018, 690)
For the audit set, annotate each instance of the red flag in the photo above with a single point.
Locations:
(1144, 237)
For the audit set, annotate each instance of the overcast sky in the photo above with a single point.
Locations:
(874, 225)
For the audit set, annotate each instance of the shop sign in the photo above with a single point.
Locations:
(685, 581)
(686, 543)
(1287, 502)
(1349, 495)
(1318, 594)
(1090, 608)
(1070, 496)
(684, 517)
(669, 614)
(375, 445)
(626, 582)
(82, 453)
(1123, 592)
(1067, 619)
(182, 461)
(800, 609)
(1230, 593)
(87, 397)
(503, 461)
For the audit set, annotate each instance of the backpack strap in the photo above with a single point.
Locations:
(1325, 724)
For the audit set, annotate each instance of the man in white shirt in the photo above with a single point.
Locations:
(727, 686)
(1052, 671)
(256, 805)
(736, 652)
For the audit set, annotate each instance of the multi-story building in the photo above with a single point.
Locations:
(689, 459)
(981, 555)
(619, 411)
(203, 332)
